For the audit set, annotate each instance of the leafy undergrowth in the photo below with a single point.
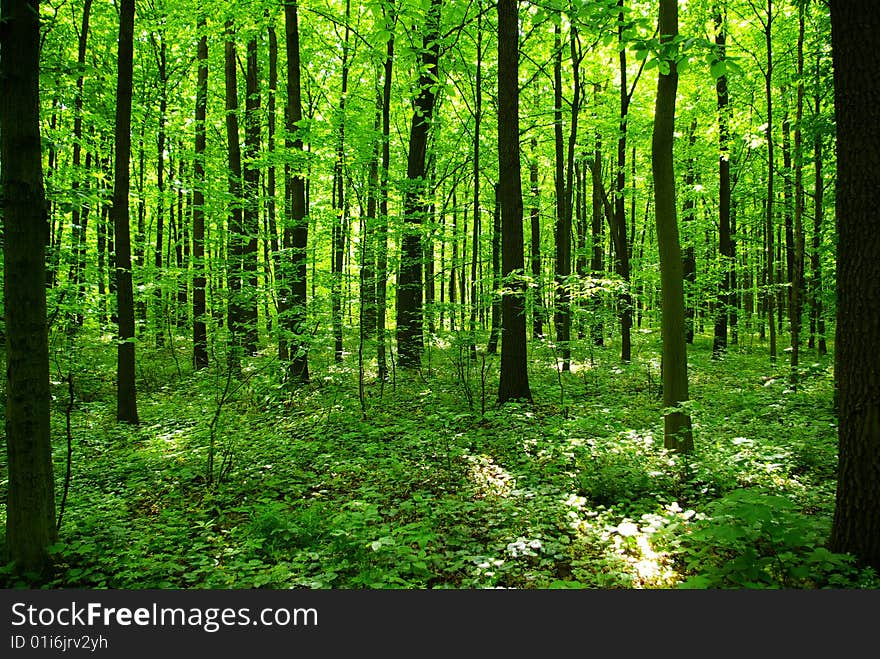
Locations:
(428, 485)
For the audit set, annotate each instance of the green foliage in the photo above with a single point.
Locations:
(754, 539)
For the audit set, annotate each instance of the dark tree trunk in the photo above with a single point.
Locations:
(596, 262)
(770, 274)
(535, 225)
(817, 316)
(80, 215)
(410, 339)
(725, 242)
(292, 305)
(855, 31)
(251, 202)
(273, 262)
(621, 247)
(236, 231)
(677, 434)
(495, 328)
(382, 228)
(340, 205)
(514, 380)
(158, 275)
(562, 315)
(689, 263)
(797, 271)
(200, 334)
(30, 503)
(475, 247)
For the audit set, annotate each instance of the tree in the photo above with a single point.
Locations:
(677, 432)
(410, 340)
(293, 288)
(126, 396)
(514, 380)
(200, 335)
(30, 516)
(855, 31)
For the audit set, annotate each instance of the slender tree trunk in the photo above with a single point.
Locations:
(770, 296)
(478, 118)
(621, 248)
(562, 315)
(726, 300)
(677, 433)
(798, 260)
(817, 311)
(30, 503)
(410, 339)
(382, 228)
(514, 379)
(126, 397)
(855, 31)
(535, 261)
(296, 231)
(273, 262)
(596, 261)
(495, 327)
(79, 219)
(689, 263)
(236, 230)
(339, 203)
(158, 275)
(200, 333)
(251, 202)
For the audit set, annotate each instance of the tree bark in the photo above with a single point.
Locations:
(514, 379)
(410, 338)
(292, 305)
(30, 511)
(126, 396)
(200, 333)
(677, 433)
(855, 31)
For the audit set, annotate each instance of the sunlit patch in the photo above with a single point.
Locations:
(489, 478)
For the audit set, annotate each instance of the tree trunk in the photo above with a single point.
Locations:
(410, 339)
(292, 305)
(855, 31)
(689, 263)
(251, 202)
(340, 207)
(562, 315)
(535, 226)
(514, 379)
(725, 242)
(797, 278)
(236, 230)
(30, 504)
(677, 433)
(200, 334)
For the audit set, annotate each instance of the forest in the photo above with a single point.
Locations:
(413, 294)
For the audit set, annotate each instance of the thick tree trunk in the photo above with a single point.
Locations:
(677, 434)
(514, 380)
(30, 504)
(855, 30)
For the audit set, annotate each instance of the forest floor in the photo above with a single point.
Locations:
(425, 483)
